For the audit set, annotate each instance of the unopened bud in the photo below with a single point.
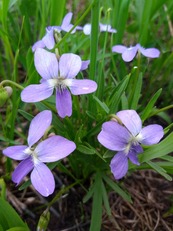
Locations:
(43, 221)
(5, 93)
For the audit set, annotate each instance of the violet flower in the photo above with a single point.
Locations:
(59, 75)
(33, 155)
(126, 139)
(128, 53)
(48, 40)
(102, 28)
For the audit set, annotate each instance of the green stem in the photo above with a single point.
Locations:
(12, 83)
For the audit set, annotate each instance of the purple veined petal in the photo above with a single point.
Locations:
(131, 120)
(81, 86)
(63, 103)
(134, 151)
(42, 179)
(37, 92)
(48, 39)
(129, 54)
(38, 126)
(114, 136)
(16, 152)
(46, 64)
(69, 65)
(150, 134)
(84, 65)
(38, 44)
(119, 165)
(22, 170)
(66, 20)
(150, 52)
(87, 29)
(119, 49)
(54, 148)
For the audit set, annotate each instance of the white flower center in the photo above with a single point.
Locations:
(31, 152)
(60, 83)
(132, 141)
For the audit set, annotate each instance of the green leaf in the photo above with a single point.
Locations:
(136, 93)
(96, 216)
(117, 94)
(102, 104)
(148, 109)
(105, 200)
(89, 194)
(9, 217)
(158, 150)
(18, 229)
(86, 150)
(25, 114)
(160, 170)
(117, 189)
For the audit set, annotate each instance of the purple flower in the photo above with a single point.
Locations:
(48, 40)
(126, 139)
(60, 75)
(102, 28)
(33, 155)
(128, 53)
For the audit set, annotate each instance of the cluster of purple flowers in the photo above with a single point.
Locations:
(58, 73)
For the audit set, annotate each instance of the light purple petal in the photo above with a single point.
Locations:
(22, 170)
(114, 136)
(150, 134)
(48, 39)
(119, 165)
(42, 179)
(69, 65)
(66, 20)
(87, 29)
(38, 126)
(38, 44)
(63, 103)
(150, 52)
(131, 120)
(16, 152)
(119, 49)
(106, 27)
(129, 54)
(54, 148)
(46, 64)
(134, 151)
(37, 92)
(81, 86)
(85, 65)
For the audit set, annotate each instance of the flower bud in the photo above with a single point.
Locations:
(5, 93)
(43, 221)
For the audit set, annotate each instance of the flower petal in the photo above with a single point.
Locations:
(87, 29)
(119, 49)
(81, 86)
(131, 120)
(46, 63)
(132, 155)
(42, 179)
(37, 92)
(69, 65)
(16, 152)
(54, 148)
(48, 39)
(38, 44)
(66, 20)
(114, 136)
(119, 165)
(38, 126)
(85, 65)
(150, 52)
(22, 170)
(129, 54)
(150, 134)
(63, 103)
